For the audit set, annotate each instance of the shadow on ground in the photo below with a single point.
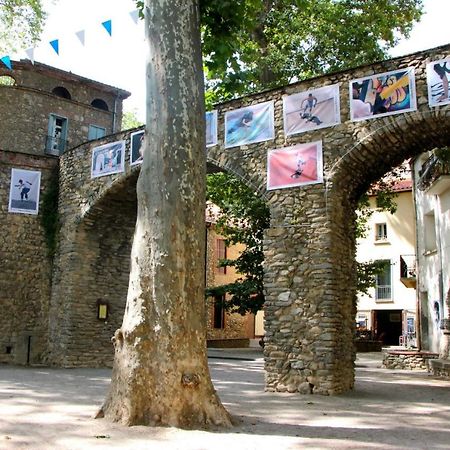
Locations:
(44, 408)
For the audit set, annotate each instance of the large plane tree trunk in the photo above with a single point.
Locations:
(160, 373)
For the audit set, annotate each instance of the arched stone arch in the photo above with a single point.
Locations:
(93, 266)
(383, 145)
(310, 266)
(309, 248)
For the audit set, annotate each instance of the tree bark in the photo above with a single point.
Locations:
(160, 373)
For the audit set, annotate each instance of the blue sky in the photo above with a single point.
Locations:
(119, 60)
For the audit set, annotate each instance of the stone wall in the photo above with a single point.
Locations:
(440, 368)
(97, 224)
(93, 261)
(408, 360)
(25, 107)
(25, 268)
(309, 247)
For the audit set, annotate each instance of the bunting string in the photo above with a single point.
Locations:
(107, 25)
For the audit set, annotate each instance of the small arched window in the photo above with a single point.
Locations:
(62, 92)
(7, 80)
(100, 104)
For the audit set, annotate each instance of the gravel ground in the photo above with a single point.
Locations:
(42, 408)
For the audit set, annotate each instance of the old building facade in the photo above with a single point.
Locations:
(47, 111)
(224, 328)
(388, 311)
(43, 111)
(432, 196)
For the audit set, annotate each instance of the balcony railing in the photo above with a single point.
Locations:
(435, 167)
(55, 146)
(383, 292)
(408, 270)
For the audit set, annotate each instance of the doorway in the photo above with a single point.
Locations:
(388, 326)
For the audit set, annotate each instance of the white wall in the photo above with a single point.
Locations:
(400, 241)
(433, 210)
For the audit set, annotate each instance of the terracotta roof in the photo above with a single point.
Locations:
(402, 185)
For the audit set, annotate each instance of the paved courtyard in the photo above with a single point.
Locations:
(42, 408)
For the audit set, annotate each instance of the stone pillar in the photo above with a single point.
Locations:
(309, 310)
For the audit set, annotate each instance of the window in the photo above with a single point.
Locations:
(430, 232)
(95, 132)
(219, 312)
(221, 253)
(100, 104)
(57, 135)
(380, 232)
(383, 282)
(62, 92)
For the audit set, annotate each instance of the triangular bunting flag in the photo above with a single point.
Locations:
(81, 36)
(30, 54)
(55, 45)
(6, 60)
(135, 15)
(108, 26)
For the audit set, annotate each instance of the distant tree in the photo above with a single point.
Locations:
(21, 23)
(130, 120)
(242, 218)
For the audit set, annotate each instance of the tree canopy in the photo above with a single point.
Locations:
(21, 23)
(249, 45)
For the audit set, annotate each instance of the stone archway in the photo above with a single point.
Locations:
(93, 268)
(310, 265)
(93, 261)
(309, 247)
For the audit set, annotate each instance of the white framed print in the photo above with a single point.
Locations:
(24, 191)
(437, 82)
(383, 94)
(294, 166)
(249, 125)
(108, 159)
(311, 110)
(211, 128)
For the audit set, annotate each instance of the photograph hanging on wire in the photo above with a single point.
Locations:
(108, 159)
(298, 165)
(211, 128)
(311, 109)
(136, 147)
(249, 125)
(383, 94)
(437, 82)
(24, 191)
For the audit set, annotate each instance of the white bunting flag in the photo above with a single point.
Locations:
(81, 36)
(135, 16)
(30, 54)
